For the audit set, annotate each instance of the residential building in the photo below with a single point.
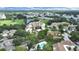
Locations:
(2, 16)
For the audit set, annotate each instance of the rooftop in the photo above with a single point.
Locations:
(60, 46)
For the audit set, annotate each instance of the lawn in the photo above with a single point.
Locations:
(8, 22)
(44, 21)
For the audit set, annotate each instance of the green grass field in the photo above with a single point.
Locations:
(8, 22)
(44, 21)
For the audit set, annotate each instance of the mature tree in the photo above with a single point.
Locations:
(38, 48)
(48, 47)
(75, 36)
(16, 26)
(61, 28)
(49, 22)
(1, 37)
(36, 19)
(20, 16)
(75, 48)
(4, 26)
(69, 48)
(20, 32)
(49, 38)
(42, 34)
(1, 29)
(77, 27)
(18, 41)
(29, 44)
(63, 19)
(32, 37)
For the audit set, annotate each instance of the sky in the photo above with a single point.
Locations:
(39, 3)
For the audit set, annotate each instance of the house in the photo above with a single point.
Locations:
(56, 24)
(7, 44)
(2, 16)
(62, 46)
(72, 27)
(7, 33)
(54, 34)
(35, 26)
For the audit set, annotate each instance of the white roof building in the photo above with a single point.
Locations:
(2, 16)
(35, 26)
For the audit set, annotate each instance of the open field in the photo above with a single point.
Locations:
(8, 22)
(44, 21)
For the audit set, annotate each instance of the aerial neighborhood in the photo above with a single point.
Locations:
(39, 31)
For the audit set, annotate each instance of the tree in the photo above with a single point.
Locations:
(61, 28)
(42, 34)
(1, 37)
(49, 38)
(48, 47)
(38, 48)
(16, 26)
(49, 22)
(31, 37)
(20, 32)
(18, 41)
(36, 19)
(29, 45)
(77, 27)
(20, 16)
(1, 29)
(75, 48)
(63, 19)
(75, 36)
(69, 48)
(25, 20)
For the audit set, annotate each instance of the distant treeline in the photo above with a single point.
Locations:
(75, 12)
